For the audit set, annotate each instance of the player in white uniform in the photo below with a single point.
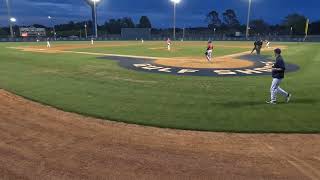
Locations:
(92, 42)
(267, 44)
(48, 43)
(169, 44)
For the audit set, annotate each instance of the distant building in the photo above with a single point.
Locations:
(32, 32)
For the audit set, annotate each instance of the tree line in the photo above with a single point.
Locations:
(292, 24)
(227, 23)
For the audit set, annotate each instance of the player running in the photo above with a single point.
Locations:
(48, 43)
(209, 51)
(169, 44)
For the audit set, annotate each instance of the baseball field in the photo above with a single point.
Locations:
(82, 111)
(85, 79)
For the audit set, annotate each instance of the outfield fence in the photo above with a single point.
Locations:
(179, 38)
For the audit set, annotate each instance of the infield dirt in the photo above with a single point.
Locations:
(228, 61)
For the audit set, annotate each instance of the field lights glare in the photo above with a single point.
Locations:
(176, 1)
(13, 19)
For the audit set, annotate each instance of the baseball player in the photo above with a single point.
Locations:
(209, 51)
(48, 43)
(278, 71)
(169, 44)
(257, 46)
(142, 41)
(92, 42)
(267, 44)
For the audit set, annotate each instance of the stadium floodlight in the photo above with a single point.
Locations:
(13, 20)
(248, 19)
(175, 2)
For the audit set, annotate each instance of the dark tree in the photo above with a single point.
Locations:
(213, 20)
(39, 26)
(113, 26)
(230, 19)
(4, 32)
(259, 26)
(297, 22)
(144, 22)
(127, 22)
(314, 28)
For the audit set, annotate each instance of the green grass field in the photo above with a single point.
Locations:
(100, 88)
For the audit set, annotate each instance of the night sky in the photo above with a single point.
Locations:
(189, 12)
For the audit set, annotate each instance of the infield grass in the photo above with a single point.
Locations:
(100, 88)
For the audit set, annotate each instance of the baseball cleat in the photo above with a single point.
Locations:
(271, 102)
(288, 98)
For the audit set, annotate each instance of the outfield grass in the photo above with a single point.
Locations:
(100, 88)
(158, 49)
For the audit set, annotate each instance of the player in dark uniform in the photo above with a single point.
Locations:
(278, 71)
(257, 46)
(209, 51)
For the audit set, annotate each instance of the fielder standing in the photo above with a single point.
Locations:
(92, 41)
(209, 51)
(278, 71)
(169, 44)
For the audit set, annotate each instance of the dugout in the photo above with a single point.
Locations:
(136, 33)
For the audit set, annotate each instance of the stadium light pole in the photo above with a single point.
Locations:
(175, 2)
(12, 21)
(95, 17)
(54, 29)
(248, 19)
(9, 18)
(85, 30)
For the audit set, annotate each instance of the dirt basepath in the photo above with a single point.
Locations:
(40, 142)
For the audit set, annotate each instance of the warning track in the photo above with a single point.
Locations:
(40, 142)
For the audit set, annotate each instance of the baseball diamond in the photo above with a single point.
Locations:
(145, 84)
(159, 90)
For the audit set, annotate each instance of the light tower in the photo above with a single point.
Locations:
(53, 27)
(12, 21)
(93, 4)
(248, 19)
(9, 17)
(175, 2)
